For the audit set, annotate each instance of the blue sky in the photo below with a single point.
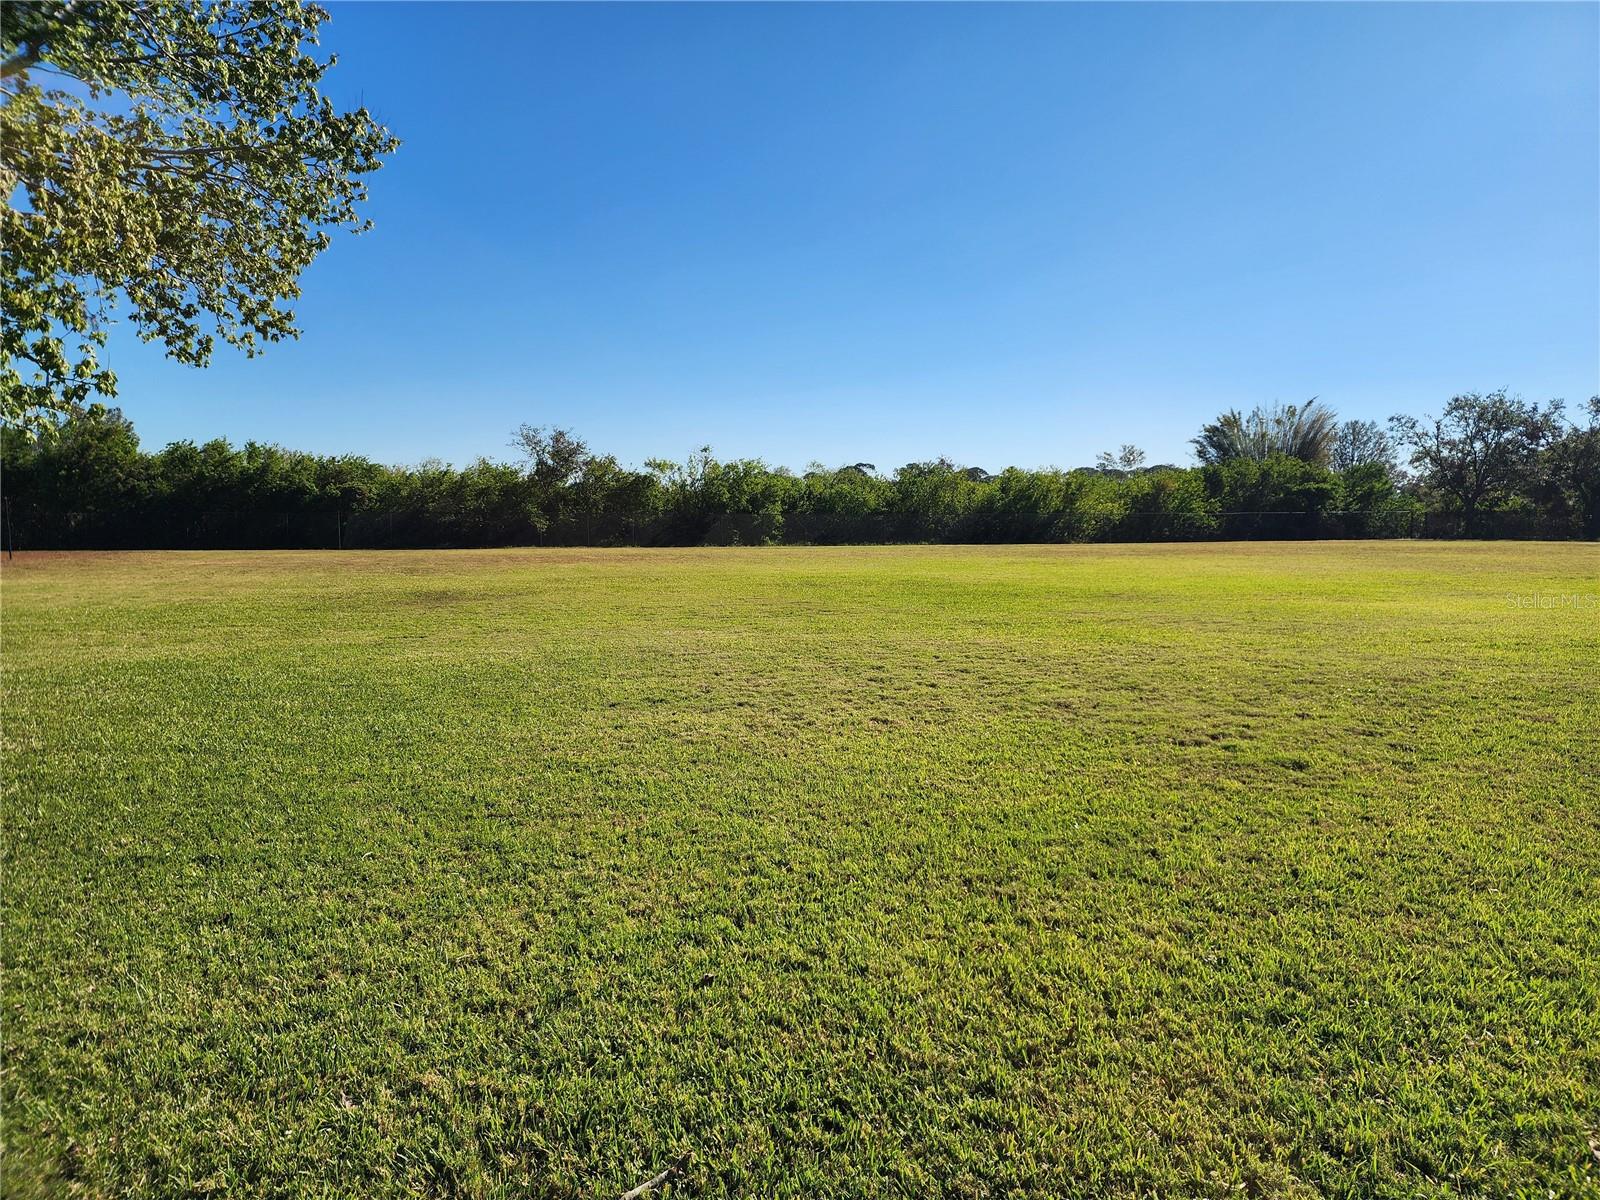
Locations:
(1013, 234)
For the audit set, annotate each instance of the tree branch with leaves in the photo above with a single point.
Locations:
(172, 162)
(1483, 448)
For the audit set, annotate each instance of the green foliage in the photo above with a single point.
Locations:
(1366, 487)
(1274, 484)
(1482, 451)
(1362, 444)
(189, 172)
(1128, 458)
(850, 504)
(556, 461)
(1569, 473)
(707, 502)
(1167, 503)
(87, 484)
(1306, 432)
(1191, 871)
(932, 500)
(91, 463)
(1036, 506)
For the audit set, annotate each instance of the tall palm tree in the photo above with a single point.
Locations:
(1305, 431)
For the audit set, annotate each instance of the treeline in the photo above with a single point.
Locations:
(1489, 465)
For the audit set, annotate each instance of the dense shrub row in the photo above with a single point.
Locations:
(88, 484)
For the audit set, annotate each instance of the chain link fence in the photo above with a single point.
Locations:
(220, 529)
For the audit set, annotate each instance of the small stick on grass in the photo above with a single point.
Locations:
(650, 1185)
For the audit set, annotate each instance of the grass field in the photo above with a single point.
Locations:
(1053, 871)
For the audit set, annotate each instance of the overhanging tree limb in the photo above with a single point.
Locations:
(194, 203)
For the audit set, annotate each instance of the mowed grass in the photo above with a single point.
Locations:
(1053, 871)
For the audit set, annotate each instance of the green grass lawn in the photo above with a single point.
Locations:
(1052, 871)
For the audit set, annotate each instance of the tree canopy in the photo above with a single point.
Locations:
(1304, 431)
(1491, 465)
(1361, 444)
(171, 161)
(1482, 448)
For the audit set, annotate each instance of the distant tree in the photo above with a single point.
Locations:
(738, 501)
(1302, 431)
(931, 499)
(1128, 458)
(1361, 444)
(847, 504)
(553, 456)
(1370, 488)
(1483, 449)
(348, 481)
(85, 482)
(188, 165)
(89, 462)
(1160, 503)
(595, 490)
(1278, 484)
(1569, 473)
(555, 460)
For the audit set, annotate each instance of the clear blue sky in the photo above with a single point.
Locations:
(1010, 234)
